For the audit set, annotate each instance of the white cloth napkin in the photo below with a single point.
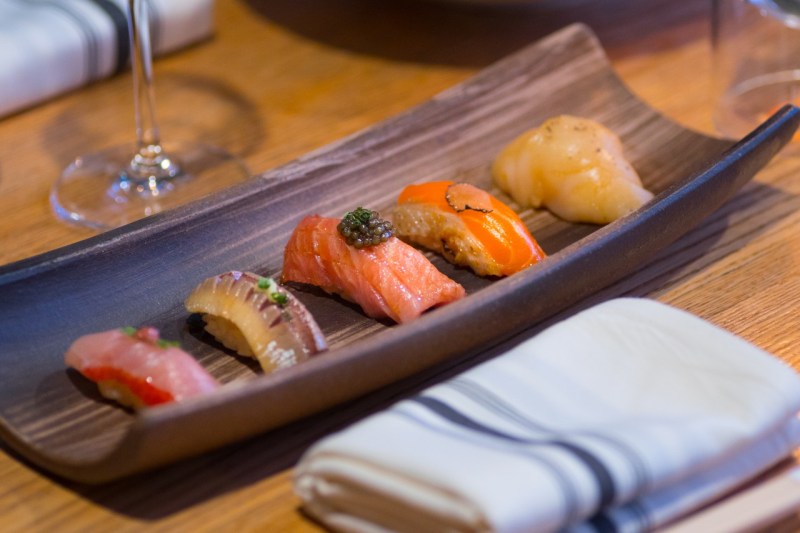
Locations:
(48, 47)
(621, 418)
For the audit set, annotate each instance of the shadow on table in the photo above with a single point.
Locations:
(474, 34)
(157, 495)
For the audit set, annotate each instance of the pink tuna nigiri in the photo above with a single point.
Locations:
(137, 369)
(391, 279)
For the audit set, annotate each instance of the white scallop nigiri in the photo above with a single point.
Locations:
(575, 167)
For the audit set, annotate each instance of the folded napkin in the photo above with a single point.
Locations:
(621, 418)
(48, 47)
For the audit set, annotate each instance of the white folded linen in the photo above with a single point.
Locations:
(48, 47)
(620, 418)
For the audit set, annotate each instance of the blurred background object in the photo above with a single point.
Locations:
(756, 45)
(48, 48)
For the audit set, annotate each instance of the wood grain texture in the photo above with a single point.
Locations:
(299, 81)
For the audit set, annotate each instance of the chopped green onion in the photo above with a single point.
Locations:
(273, 290)
(168, 344)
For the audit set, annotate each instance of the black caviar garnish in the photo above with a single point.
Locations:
(362, 227)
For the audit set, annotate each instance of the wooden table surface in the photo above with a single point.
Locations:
(282, 77)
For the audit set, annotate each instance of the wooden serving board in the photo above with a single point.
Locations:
(140, 274)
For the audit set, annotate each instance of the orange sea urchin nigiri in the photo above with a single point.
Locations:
(467, 225)
(391, 279)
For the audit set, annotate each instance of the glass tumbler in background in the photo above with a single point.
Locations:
(756, 56)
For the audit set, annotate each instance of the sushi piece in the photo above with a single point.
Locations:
(467, 225)
(255, 317)
(574, 167)
(136, 368)
(388, 279)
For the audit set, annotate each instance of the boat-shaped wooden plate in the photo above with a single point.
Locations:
(141, 274)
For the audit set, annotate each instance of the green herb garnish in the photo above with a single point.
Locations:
(274, 293)
(161, 343)
(168, 344)
(279, 298)
(362, 227)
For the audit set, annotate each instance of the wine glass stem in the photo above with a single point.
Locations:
(150, 165)
(147, 133)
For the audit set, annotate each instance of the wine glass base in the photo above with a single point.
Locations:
(96, 191)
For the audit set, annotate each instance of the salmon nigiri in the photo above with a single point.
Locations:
(387, 279)
(137, 369)
(467, 225)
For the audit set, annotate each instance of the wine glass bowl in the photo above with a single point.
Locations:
(756, 52)
(121, 184)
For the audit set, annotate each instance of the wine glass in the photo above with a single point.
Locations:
(121, 184)
(756, 53)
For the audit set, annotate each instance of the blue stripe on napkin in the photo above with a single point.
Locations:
(568, 490)
(497, 406)
(120, 21)
(602, 476)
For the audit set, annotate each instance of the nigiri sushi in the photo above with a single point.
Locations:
(575, 167)
(256, 317)
(467, 225)
(388, 279)
(137, 369)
